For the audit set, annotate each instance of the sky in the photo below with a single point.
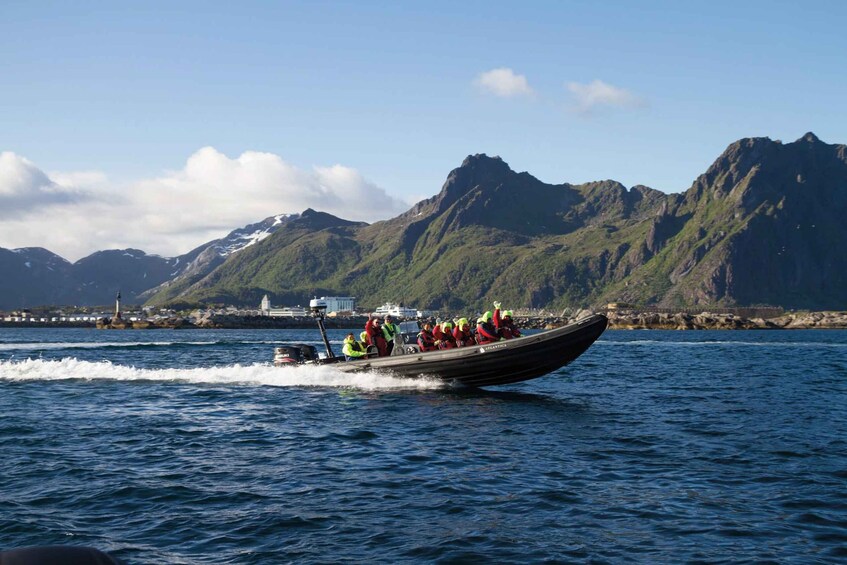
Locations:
(163, 125)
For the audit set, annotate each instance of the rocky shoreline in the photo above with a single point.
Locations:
(628, 320)
(717, 321)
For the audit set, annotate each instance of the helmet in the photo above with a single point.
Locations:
(487, 316)
(363, 336)
(447, 326)
(507, 314)
(463, 322)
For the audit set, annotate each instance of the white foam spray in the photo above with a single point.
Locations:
(255, 375)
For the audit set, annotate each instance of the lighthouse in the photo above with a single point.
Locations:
(118, 306)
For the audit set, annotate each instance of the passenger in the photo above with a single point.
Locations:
(426, 341)
(352, 349)
(389, 332)
(438, 331)
(375, 336)
(505, 325)
(370, 349)
(485, 330)
(446, 339)
(462, 333)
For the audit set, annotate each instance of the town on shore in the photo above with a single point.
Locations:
(343, 314)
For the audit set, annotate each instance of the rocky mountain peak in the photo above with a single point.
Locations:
(314, 220)
(809, 138)
(40, 254)
(476, 170)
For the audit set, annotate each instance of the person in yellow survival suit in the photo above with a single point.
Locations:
(352, 349)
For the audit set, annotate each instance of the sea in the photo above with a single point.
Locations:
(188, 446)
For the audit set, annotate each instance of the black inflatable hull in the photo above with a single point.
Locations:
(504, 362)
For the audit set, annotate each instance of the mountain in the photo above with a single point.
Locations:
(761, 226)
(310, 249)
(34, 276)
(201, 261)
(96, 278)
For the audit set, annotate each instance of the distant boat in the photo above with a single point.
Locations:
(397, 311)
(498, 363)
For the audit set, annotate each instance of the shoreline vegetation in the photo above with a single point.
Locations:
(618, 320)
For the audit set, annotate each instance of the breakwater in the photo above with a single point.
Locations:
(628, 320)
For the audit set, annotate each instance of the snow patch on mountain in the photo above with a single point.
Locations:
(250, 235)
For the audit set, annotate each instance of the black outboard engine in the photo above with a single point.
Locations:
(288, 354)
(307, 352)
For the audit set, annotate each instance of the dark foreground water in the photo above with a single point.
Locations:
(654, 447)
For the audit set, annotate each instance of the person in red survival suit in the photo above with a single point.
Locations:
(445, 339)
(486, 332)
(375, 336)
(503, 322)
(426, 341)
(437, 332)
(462, 333)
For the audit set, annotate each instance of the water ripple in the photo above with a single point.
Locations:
(711, 447)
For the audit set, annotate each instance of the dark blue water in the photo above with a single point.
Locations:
(654, 447)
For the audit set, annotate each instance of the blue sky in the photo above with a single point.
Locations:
(111, 99)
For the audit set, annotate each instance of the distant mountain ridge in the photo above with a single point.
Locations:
(762, 226)
(34, 276)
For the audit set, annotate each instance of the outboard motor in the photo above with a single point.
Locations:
(307, 352)
(285, 354)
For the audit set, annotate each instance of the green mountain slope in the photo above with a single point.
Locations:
(761, 226)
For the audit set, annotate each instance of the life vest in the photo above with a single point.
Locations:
(389, 330)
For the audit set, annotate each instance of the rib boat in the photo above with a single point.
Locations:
(500, 363)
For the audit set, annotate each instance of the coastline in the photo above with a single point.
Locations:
(621, 320)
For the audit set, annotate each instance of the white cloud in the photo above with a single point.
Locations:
(26, 189)
(598, 94)
(74, 214)
(503, 82)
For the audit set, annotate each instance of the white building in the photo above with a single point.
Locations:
(333, 304)
(340, 303)
(289, 312)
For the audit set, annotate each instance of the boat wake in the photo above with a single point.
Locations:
(44, 346)
(244, 375)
